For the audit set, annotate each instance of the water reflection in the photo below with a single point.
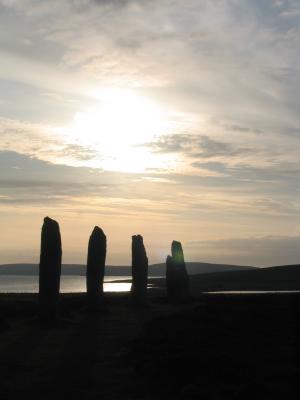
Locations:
(117, 286)
(68, 284)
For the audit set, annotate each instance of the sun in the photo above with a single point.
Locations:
(118, 126)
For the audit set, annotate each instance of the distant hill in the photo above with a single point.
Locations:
(286, 277)
(201, 268)
(154, 270)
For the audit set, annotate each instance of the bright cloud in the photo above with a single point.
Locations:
(186, 112)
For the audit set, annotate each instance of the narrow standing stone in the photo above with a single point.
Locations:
(139, 270)
(49, 269)
(95, 266)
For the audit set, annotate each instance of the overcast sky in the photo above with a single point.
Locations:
(172, 119)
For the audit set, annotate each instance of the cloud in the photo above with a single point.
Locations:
(246, 157)
(234, 61)
(28, 180)
(199, 146)
(24, 179)
(226, 75)
(43, 142)
(78, 152)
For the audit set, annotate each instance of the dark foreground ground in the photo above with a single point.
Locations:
(214, 347)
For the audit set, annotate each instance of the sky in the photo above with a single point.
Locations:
(167, 118)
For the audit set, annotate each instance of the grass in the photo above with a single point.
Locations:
(214, 347)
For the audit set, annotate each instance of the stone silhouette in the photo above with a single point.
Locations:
(139, 270)
(95, 266)
(49, 269)
(176, 275)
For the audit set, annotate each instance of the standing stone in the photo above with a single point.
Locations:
(176, 274)
(49, 269)
(139, 270)
(171, 279)
(95, 266)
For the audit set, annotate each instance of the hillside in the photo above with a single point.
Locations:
(203, 268)
(285, 277)
(154, 270)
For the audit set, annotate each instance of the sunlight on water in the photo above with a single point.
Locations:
(117, 287)
(68, 284)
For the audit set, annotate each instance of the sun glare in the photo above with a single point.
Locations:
(118, 126)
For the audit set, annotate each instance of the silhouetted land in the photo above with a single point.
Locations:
(213, 347)
(273, 278)
(124, 270)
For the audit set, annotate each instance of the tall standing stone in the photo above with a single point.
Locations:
(176, 274)
(49, 269)
(95, 266)
(139, 270)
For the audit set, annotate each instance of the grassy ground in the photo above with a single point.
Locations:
(214, 347)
